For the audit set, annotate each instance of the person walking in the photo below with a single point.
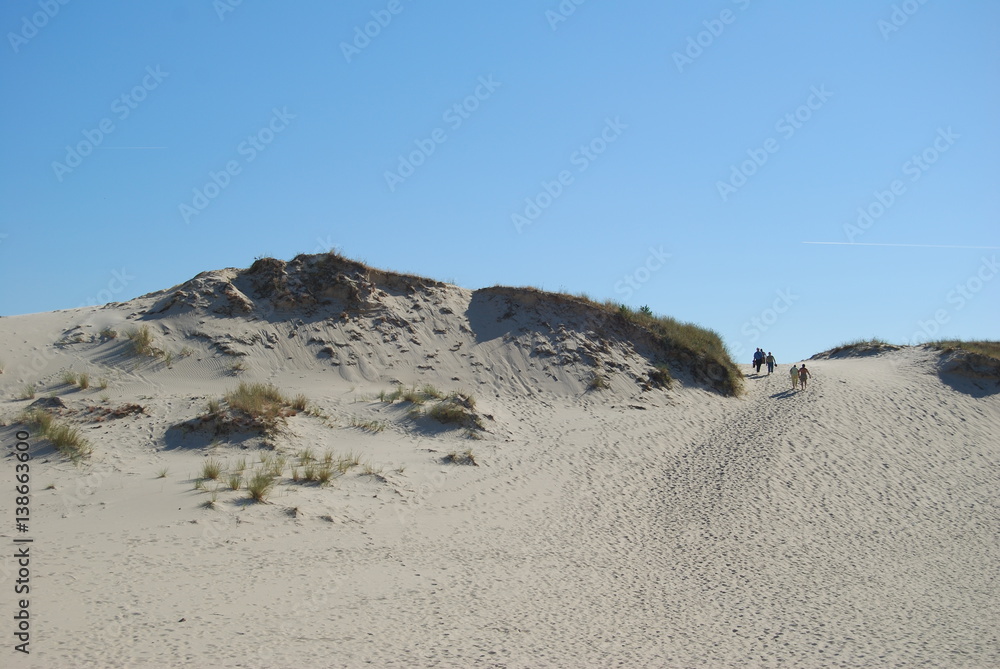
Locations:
(794, 372)
(803, 375)
(758, 359)
(770, 363)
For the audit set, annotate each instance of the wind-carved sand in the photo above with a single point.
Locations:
(561, 521)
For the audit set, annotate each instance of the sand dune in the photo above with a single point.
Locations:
(851, 524)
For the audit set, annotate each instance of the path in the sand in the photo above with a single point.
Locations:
(814, 528)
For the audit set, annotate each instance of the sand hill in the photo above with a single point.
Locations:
(574, 509)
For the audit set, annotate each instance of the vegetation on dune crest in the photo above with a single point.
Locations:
(990, 349)
(700, 348)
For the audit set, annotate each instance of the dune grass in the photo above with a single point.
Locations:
(67, 440)
(259, 485)
(989, 349)
(688, 343)
(141, 339)
(466, 457)
(254, 406)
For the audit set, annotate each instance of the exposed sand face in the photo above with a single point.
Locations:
(854, 523)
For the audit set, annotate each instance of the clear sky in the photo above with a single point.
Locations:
(675, 155)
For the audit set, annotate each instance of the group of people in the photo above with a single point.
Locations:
(760, 358)
(799, 374)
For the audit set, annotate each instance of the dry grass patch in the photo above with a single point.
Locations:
(67, 440)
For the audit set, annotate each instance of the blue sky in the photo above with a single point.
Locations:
(675, 155)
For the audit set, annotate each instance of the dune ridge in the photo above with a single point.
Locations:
(615, 524)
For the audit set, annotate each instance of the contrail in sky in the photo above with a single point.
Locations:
(926, 246)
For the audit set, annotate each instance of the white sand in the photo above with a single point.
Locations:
(852, 524)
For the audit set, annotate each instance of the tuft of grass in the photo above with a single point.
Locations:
(660, 376)
(457, 408)
(162, 472)
(211, 470)
(370, 425)
(236, 368)
(213, 407)
(466, 457)
(69, 378)
(141, 339)
(103, 383)
(369, 470)
(107, 334)
(67, 440)
(259, 486)
(27, 392)
(306, 456)
(414, 395)
(261, 402)
(299, 402)
(168, 359)
(324, 473)
(83, 380)
(598, 381)
(241, 466)
(235, 481)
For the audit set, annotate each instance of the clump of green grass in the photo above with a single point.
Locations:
(306, 456)
(83, 380)
(141, 339)
(211, 469)
(67, 440)
(27, 392)
(299, 402)
(69, 378)
(260, 485)
(235, 480)
(103, 383)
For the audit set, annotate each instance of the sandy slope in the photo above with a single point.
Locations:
(853, 524)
